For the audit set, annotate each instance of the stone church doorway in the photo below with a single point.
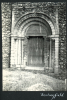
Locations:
(34, 42)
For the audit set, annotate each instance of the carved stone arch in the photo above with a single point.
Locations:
(23, 27)
(28, 15)
(27, 18)
(35, 23)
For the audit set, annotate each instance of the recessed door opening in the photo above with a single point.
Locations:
(35, 51)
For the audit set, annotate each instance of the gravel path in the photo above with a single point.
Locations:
(18, 80)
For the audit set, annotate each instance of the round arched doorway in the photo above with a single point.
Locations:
(33, 41)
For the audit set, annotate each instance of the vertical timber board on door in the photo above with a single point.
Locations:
(31, 51)
(42, 48)
(34, 51)
(52, 53)
(40, 51)
(28, 50)
(45, 51)
(48, 52)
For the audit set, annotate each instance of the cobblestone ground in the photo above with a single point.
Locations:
(18, 80)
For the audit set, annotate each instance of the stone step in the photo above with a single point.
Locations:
(34, 68)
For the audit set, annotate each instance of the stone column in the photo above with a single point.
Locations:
(16, 49)
(22, 52)
(56, 55)
(12, 51)
(56, 42)
(19, 51)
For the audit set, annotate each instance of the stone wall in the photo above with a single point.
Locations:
(6, 32)
(62, 32)
(6, 26)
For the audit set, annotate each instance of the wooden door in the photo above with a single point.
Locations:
(36, 51)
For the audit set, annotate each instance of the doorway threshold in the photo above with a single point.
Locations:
(34, 68)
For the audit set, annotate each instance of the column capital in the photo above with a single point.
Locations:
(17, 37)
(54, 36)
(20, 38)
(27, 37)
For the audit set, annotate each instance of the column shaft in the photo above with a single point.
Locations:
(16, 52)
(56, 55)
(12, 51)
(19, 51)
(56, 44)
(22, 52)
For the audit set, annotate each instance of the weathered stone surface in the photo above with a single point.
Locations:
(62, 32)
(6, 32)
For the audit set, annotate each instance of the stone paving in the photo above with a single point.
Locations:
(18, 80)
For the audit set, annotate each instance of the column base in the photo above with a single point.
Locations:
(48, 70)
(56, 70)
(20, 66)
(17, 66)
(12, 65)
